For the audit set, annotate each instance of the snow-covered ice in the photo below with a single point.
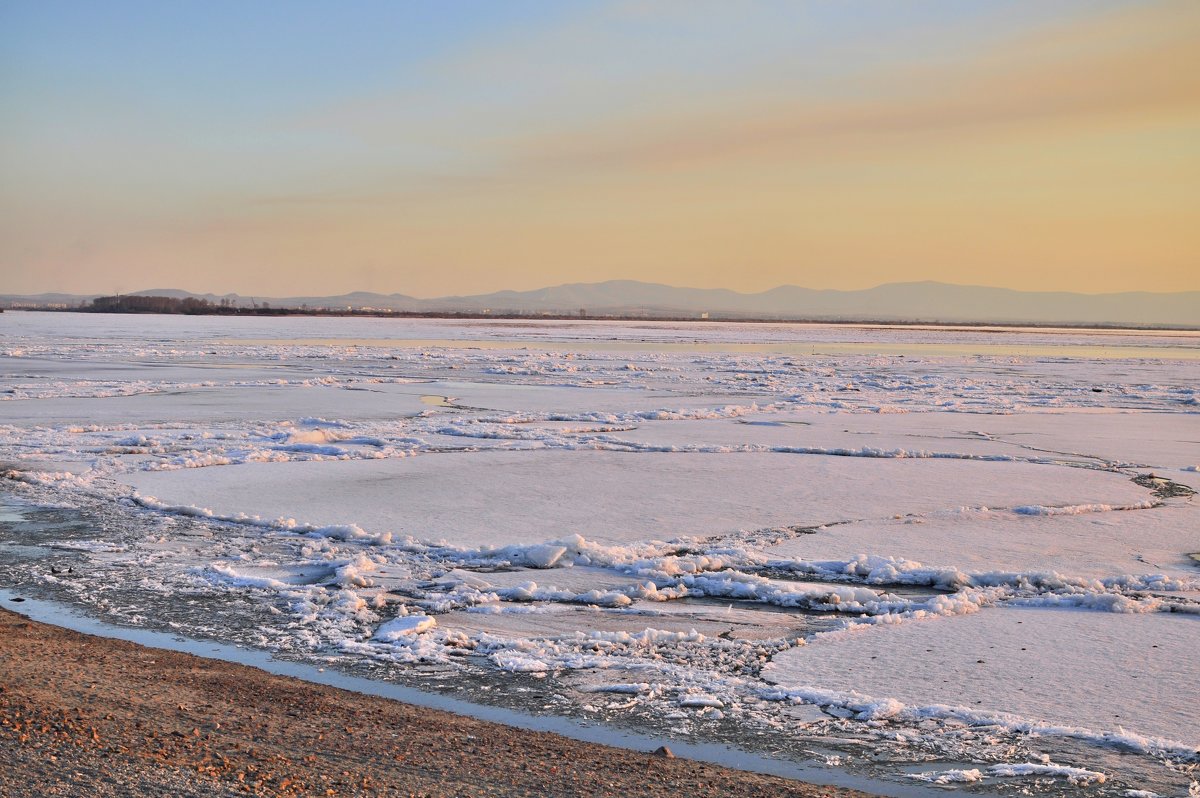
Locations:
(1123, 671)
(479, 498)
(975, 553)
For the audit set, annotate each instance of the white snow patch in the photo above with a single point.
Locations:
(403, 628)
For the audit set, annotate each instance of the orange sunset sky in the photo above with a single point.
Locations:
(438, 148)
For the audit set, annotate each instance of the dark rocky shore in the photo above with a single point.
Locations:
(91, 716)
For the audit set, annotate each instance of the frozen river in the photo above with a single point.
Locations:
(964, 558)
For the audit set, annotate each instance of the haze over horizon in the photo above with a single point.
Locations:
(632, 283)
(293, 149)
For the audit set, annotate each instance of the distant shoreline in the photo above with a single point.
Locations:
(981, 326)
(899, 303)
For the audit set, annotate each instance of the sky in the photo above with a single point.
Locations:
(433, 148)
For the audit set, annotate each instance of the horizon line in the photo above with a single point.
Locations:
(148, 291)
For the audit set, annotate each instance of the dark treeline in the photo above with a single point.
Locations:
(191, 305)
(196, 307)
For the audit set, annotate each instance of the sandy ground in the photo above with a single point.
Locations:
(83, 715)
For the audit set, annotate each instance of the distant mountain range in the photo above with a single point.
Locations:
(903, 302)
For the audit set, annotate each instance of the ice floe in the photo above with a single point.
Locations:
(918, 537)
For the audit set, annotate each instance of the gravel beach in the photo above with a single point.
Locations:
(84, 715)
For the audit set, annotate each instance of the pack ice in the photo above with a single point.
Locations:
(935, 557)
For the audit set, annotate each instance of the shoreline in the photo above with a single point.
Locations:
(869, 322)
(79, 710)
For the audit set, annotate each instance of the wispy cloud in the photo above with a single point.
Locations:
(1119, 68)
